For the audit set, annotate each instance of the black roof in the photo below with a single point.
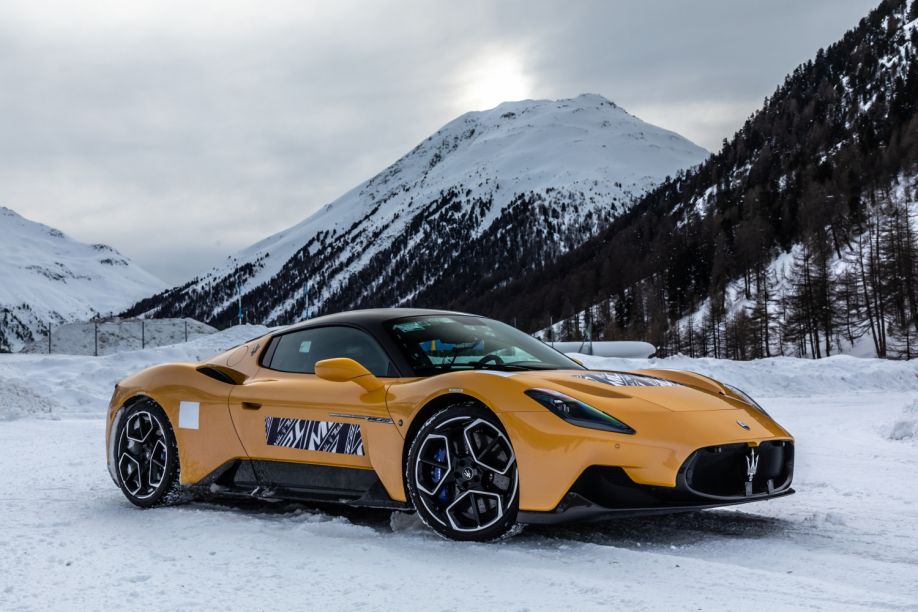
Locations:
(372, 316)
(371, 321)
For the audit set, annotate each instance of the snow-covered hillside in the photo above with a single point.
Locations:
(845, 541)
(490, 192)
(781, 284)
(798, 237)
(48, 277)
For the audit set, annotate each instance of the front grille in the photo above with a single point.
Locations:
(724, 471)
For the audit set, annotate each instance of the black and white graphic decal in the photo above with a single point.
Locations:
(324, 436)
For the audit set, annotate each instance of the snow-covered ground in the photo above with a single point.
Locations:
(847, 540)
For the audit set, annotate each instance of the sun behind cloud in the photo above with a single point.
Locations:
(492, 78)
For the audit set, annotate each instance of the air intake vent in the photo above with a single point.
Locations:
(217, 375)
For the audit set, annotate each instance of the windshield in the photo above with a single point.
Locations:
(443, 343)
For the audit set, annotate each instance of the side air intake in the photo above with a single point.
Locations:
(224, 375)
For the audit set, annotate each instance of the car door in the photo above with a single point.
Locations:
(302, 431)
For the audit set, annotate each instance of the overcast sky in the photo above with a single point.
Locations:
(180, 132)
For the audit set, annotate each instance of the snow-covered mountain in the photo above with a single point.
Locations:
(489, 195)
(48, 277)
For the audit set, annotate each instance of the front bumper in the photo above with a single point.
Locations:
(711, 477)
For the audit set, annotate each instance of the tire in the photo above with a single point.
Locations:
(146, 457)
(462, 476)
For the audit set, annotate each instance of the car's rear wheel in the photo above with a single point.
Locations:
(146, 456)
(462, 475)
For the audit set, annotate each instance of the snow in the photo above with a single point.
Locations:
(74, 385)
(845, 541)
(48, 276)
(906, 428)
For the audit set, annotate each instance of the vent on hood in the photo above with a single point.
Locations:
(621, 379)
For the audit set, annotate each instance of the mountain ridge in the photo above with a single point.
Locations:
(563, 167)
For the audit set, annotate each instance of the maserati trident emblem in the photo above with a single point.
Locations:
(743, 425)
(752, 464)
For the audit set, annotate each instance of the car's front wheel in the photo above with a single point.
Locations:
(462, 475)
(146, 456)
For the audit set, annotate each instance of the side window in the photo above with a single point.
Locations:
(299, 351)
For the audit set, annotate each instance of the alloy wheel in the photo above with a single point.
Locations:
(465, 474)
(142, 455)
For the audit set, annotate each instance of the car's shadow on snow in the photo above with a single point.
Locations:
(664, 531)
(369, 517)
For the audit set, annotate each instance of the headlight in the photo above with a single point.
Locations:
(745, 397)
(576, 412)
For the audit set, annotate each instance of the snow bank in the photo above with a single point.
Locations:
(906, 428)
(19, 400)
(74, 385)
(785, 376)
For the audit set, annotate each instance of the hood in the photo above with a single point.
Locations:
(675, 391)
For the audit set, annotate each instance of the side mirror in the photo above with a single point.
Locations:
(343, 369)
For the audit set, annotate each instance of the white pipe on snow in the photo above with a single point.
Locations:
(627, 348)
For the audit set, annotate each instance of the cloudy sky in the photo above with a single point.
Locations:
(181, 132)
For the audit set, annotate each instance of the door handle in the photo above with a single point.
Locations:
(251, 406)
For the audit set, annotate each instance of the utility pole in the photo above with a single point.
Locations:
(239, 299)
(96, 329)
(143, 334)
(186, 330)
(49, 337)
(306, 300)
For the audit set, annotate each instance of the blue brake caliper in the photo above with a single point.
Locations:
(438, 473)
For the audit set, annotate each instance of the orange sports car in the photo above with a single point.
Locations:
(475, 425)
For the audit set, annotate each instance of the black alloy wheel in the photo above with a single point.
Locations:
(462, 475)
(146, 456)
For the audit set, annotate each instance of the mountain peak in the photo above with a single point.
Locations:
(582, 100)
(50, 277)
(513, 109)
(522, 182)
